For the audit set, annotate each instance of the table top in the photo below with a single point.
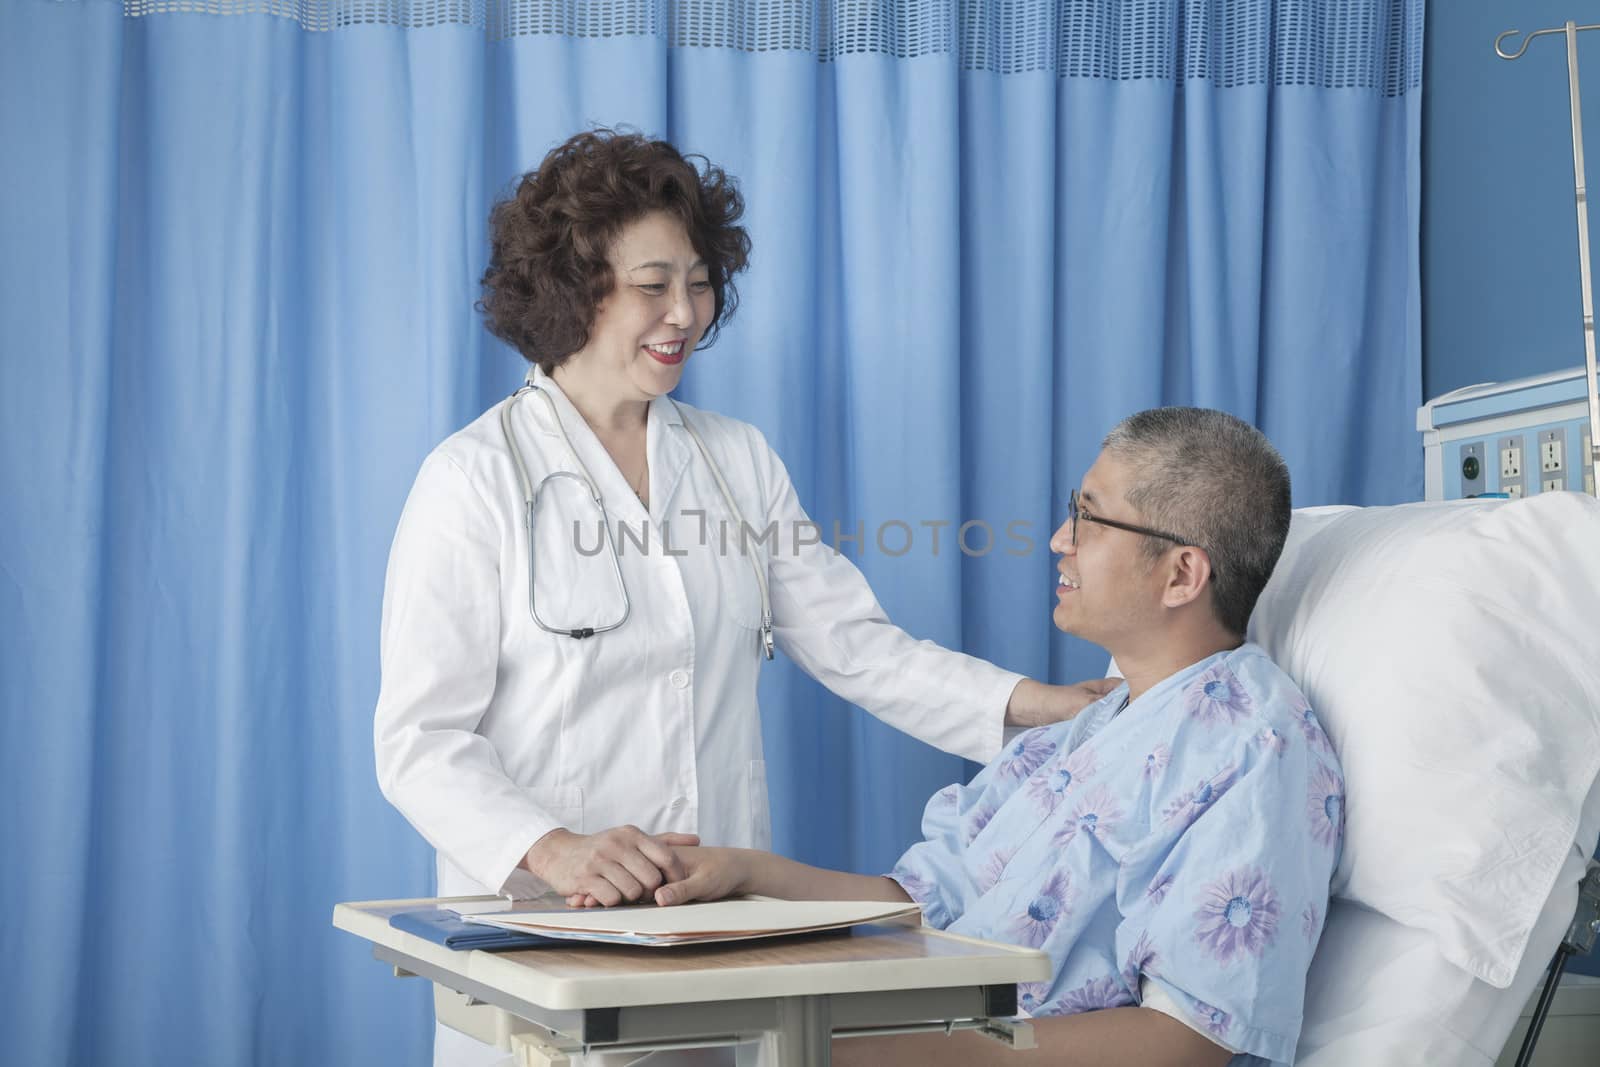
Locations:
(579, 975)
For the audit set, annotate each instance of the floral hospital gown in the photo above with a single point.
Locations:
(1187, 839)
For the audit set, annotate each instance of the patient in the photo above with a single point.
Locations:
(1170, 848)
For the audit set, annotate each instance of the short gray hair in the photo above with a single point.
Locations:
(1217, 482)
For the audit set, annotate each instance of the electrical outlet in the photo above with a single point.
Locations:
(1510, 450)
(1473, 469)
(1552, 451)
(1552, 485)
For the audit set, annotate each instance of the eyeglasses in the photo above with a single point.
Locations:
(1073, 514)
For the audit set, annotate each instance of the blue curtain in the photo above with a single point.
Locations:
(240, 250)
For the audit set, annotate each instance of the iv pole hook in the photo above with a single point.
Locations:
(1503, 54)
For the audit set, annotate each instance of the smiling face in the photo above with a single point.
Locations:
(1107, 591)
(660, 304)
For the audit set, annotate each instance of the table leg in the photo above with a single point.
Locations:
(803, 1036)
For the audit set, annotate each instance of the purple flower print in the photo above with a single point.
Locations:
(1308, 923)
(1052, 903)
(993, 869)
(1081, 762)
(1157, 761)
(978, 819)
(1096, 813)
(1238, 915)
(1187, 806)
(1157, 890)
(1315, 735)
(917, 887)
(1141, 959)
(1325, 806)
(1095, 994)
(1215, 1020)
(1048, 788)
(1272, 741)
(1031, 996)
(1026, 754)
(1217, 697)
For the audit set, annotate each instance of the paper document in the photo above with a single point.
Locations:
(485, 907)
(696, 924)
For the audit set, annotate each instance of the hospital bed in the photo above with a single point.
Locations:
(1445, 648)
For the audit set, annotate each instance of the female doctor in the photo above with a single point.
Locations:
(573, 622)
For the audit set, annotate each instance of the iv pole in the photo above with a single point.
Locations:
(1571, 30)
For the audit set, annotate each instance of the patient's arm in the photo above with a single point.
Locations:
(714, 873)
(1113, 1037)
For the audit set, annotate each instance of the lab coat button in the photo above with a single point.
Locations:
(679, 679)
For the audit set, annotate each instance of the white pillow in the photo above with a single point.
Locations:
(1449, 651)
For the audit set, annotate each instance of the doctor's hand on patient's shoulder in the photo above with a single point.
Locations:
(1036, 704)
(611, 867)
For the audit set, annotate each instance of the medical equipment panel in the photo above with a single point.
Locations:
(1519, 438)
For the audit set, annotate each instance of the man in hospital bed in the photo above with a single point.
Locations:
(1171, 847)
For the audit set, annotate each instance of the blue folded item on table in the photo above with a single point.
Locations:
(446, 928)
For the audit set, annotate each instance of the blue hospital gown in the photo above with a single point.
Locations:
(1189, 838)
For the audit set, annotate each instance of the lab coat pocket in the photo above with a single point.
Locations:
(760, 813)
(564, 804)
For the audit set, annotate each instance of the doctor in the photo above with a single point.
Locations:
(562, 707)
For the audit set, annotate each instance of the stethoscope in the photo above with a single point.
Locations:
(530, 501)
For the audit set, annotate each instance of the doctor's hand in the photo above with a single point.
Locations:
(611, 867)
(710, 874)
(1036, 704)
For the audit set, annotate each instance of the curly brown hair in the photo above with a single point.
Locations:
(549, 240)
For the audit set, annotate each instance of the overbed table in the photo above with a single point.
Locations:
(791, 994)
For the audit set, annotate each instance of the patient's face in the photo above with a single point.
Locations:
(1107, 588)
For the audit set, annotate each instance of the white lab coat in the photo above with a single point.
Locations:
(490, 732)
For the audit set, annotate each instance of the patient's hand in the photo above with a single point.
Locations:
(1036, 704)
(711, 874)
